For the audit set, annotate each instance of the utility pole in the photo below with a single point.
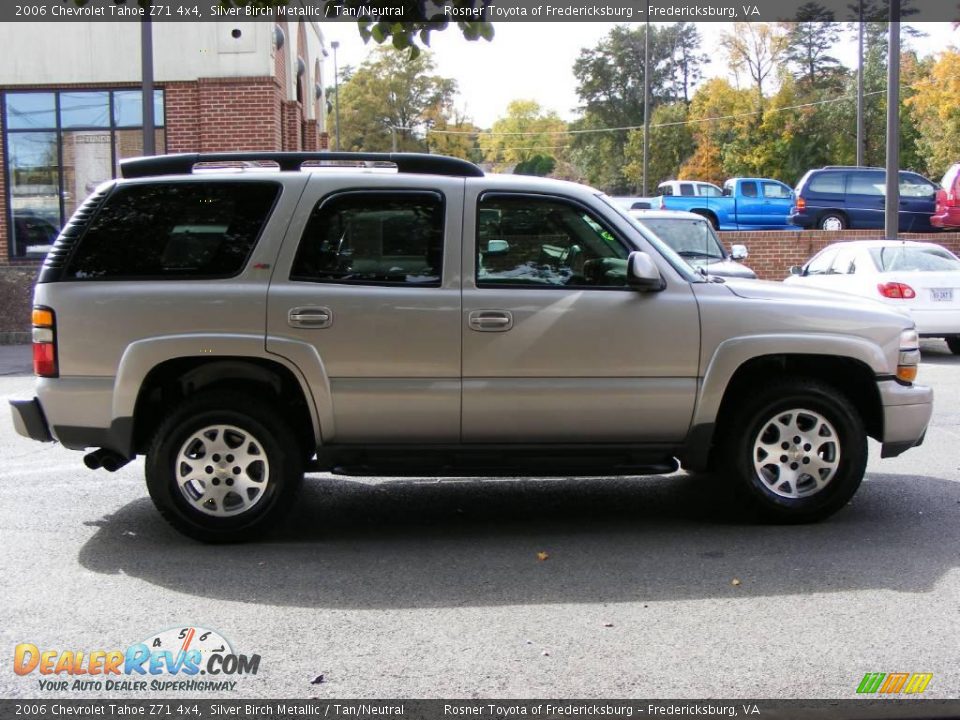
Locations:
(860, 133)
(892, 213)
(646, 101)
(146, 71)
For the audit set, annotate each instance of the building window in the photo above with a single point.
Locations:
(59, 146)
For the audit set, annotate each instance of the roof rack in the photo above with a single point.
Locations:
(414, 163)
(851, 167)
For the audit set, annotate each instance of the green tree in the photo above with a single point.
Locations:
(809, 41)
(754, 48)
(455, 136)
(526, 131)
(671, 145)
(392, 100)
(610, 82)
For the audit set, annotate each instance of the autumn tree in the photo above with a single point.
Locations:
(754, 48)
(391, 101)
(455, 136)
(671, 145)
(935, 104)
(527, 130)
(720, 120)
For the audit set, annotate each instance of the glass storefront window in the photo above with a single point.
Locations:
(85, 109)
(34, 192)
(59, 147)
(128, 108)
(31, 111)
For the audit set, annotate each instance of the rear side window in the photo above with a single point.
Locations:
(827, 183)
(174, 230)
(867, 183)
(914, 259)
(373, 238)
(686, 189)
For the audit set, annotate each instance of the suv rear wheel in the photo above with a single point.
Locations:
(223, 467)
(796, 451)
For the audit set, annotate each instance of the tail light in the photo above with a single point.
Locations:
(44, 342)
(663, 203)
(801, 204)
(896, 291)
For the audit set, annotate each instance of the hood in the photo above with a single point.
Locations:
(770, 290)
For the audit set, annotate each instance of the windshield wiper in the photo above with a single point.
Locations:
(698, 254)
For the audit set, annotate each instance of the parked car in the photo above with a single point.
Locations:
(746, 204)
(920, 278)
(838, 197)
(693, 238)
(685, 188)
(239, 327)
(947, 211)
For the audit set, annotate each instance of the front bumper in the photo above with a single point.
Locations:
(29, 421)
(906, 414)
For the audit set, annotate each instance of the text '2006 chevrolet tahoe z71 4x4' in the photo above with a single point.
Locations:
(242, 318)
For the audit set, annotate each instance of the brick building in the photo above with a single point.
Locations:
(68, 116)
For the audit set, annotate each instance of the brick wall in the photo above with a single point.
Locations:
(772, 253)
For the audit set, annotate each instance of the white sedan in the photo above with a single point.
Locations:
(921, 278)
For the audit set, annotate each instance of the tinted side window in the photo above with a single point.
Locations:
(543, 242)
(828, 183)
(174, 230)
(666, 189)
(373, 238)
(866, 183)
(686, 189)
(748, 189)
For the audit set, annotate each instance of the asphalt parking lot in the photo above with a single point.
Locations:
(427, 588)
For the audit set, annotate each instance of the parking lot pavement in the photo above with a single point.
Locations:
(427, 588)
(15, 360)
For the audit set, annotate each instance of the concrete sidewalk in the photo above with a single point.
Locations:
(16, 360)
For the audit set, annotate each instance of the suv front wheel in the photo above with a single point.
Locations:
(223, 467)
(795, 451)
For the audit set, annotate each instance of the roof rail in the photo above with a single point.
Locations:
(414, 163)
(851, 167)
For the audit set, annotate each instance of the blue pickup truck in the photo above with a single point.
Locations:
(743, 204)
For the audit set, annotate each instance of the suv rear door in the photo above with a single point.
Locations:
(556, 347)
(367, 287)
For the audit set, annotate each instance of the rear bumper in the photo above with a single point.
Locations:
(937, 323)
(801, 220)
(948, 219)
(906, 414)
(29, 421)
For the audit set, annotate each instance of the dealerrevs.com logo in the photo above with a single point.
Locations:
(188, 659)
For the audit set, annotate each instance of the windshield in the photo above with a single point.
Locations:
(901, 258)
(691, 239)
(678, 263)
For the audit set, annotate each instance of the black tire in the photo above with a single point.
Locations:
(267, 433)
(953, 342)
(759, 412)
(833, 217)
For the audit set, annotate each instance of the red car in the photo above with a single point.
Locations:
(947, 213)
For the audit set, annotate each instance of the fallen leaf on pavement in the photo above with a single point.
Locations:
(542, 555)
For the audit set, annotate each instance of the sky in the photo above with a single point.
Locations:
(535, 60)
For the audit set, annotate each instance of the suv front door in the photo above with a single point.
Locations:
(556, 347)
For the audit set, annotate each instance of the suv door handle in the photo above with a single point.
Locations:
(310, 317)
(490, 320)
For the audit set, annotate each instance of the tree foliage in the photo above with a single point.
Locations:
(526, 131)
(754, 48)
(808, 42)
(935, 105)
(392, 100)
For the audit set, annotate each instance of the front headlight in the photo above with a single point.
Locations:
(909, 357)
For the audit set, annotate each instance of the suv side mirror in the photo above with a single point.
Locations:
(796, 270)
(739, 252)
(642, 273)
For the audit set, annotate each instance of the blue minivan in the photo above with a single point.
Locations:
(837, 197)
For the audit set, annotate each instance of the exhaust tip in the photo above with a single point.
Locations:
(93, 460)
(107, 459)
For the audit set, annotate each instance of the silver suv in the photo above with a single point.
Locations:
(241, 319)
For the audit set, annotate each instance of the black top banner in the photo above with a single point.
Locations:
(495, 11)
